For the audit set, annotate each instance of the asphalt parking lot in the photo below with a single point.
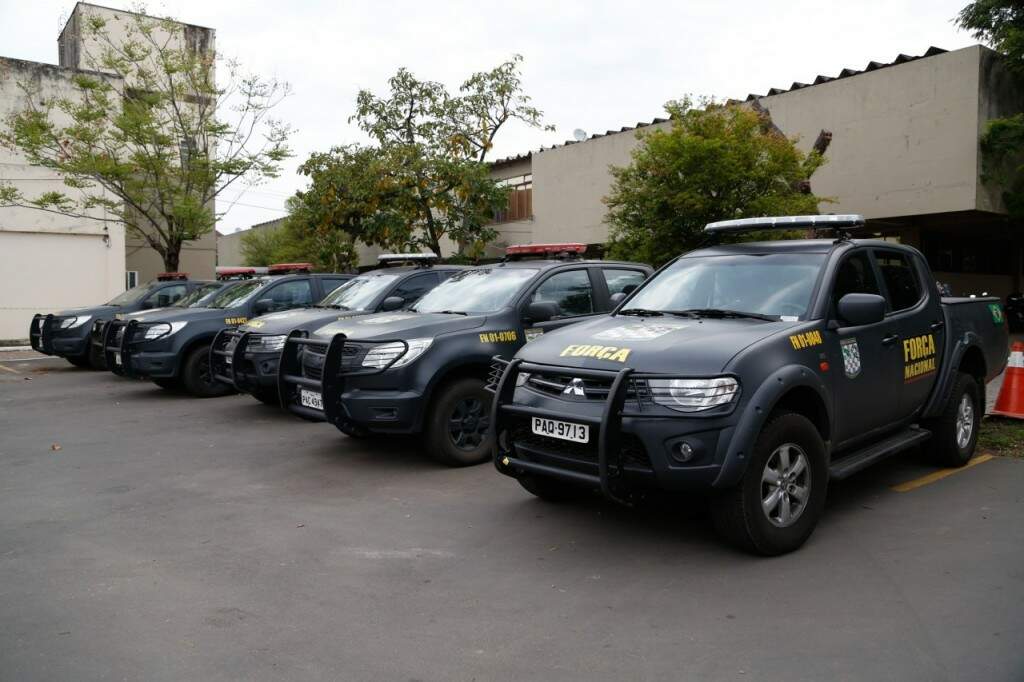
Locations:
(148, 535)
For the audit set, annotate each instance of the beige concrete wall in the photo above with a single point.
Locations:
(48, 261)
(905, 137)
(198, 258)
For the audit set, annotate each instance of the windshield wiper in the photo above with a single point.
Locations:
(450, 312)
(640, 312)
(722, 313)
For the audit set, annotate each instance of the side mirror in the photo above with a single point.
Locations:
(617, 298)
(859, 309)
(264, 305)
(392, 303)
(542, 311)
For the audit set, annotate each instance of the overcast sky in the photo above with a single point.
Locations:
(593, 65)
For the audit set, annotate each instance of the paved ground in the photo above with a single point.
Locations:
(164, 541)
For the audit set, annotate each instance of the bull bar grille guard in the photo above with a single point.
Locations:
(223, 370)
(609, 424)
(40, 336)
(290, 379)
(113, 349)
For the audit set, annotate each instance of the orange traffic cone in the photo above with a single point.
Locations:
(1010, 402)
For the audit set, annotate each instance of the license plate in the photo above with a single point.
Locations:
(117, 359)
(577, 433)
(311, 399)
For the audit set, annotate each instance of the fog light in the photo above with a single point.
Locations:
(683, 451)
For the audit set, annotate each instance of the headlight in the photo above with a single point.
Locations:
(693, 395)
(72, 322)
(162, 329)
(266, 344)
(380, 356)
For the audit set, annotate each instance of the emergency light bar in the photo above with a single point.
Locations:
(231, 273)
(831, 222)
(545, 249)
(423, 259)
(284, 268)
(171, 276)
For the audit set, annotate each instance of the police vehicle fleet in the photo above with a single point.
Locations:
(246, 357)
(172, 348)
(755, 372)
(67, 333)
(424, 368)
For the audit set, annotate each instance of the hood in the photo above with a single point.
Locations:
(400, 325)
(300, 318)
(187, 314)
(654, 344)
(102, 311)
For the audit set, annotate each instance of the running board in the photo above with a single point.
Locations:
(848, 465)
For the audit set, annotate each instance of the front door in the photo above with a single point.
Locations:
(867, 360)
(572, 291)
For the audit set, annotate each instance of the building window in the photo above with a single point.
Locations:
(520, 199)
(953, 253)
(131, 279)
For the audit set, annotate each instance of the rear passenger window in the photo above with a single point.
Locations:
(166, 296)
(622, 281)
(292, 294)
(331, 283)
(900, 277)
(571, 290)
(855, 276)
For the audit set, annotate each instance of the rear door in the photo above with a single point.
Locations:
(867, 359)
(915, 308)
(618, 279)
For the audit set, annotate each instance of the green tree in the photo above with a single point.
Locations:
(434, 147)
(261, 247)
(1000, 23)
(147, 137)
(714, 162)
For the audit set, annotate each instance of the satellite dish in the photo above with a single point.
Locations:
(580, 134)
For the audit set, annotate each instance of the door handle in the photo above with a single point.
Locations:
(891, 339)
(937, 326)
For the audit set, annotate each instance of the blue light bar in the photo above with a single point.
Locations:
(848, 221)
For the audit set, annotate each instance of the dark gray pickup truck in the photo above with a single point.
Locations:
(753, 373)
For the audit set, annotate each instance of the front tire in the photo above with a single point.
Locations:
(955, 431)
(458, 432)
(777, 504)
(197, 375)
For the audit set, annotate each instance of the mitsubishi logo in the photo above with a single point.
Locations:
(574, 387)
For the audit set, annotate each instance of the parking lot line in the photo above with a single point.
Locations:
(939, 475)
(14, 371)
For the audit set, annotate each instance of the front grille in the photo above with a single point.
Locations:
(570, 387)
(312, 362)
(632, 452)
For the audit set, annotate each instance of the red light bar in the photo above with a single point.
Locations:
(225, 273)
(528, 249)
(278, 268)
(170, 276)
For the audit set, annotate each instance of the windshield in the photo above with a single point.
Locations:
(777, 284)
(359, 292)
(483, 290)
(133, 295)
(236, 295)
(196, 295)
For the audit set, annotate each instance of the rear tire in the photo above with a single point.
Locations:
(777, 504)
(197, 377)
(267, 396)
(458, 432)
(955, 431)
(551, 489)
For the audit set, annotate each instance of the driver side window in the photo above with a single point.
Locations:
(855, 276)
(166, 296)
(570, 290)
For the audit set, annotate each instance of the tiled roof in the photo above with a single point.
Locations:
(818, 80)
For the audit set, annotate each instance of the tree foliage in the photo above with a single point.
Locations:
(431, 148)
(296, 240)
(146, 136)
(1000, 23)
(714, 162)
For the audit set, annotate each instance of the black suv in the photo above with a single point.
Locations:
(246, 357)
(425, 369)
(173, 347)
(66, 333)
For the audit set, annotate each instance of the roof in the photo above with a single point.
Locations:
(789, 246)
(796, 85)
